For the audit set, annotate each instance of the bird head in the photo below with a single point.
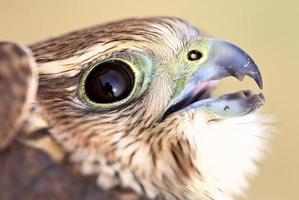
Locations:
(130, 102)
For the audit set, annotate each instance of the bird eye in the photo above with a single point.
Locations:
(109, 82)
(194, 55)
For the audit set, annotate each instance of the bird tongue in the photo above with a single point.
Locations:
(233, 104)
(202, 91)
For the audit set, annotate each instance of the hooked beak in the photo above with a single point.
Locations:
(226, 59)
(223, 60)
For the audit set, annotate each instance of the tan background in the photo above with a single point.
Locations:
(268, 30)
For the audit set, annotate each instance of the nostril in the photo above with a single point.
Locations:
(194, 55)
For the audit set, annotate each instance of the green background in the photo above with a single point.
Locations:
(267, 30)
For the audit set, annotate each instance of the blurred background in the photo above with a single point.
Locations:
(268, 30)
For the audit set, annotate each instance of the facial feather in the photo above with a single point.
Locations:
(131, 145)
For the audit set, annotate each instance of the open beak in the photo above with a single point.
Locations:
(224, 59)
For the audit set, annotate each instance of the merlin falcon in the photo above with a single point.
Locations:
(125, 110)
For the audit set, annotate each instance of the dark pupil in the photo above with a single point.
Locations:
(109, 82)
(194, 55)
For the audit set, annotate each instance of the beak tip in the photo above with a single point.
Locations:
(258, 79)
(261, 86)
(259, 82)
